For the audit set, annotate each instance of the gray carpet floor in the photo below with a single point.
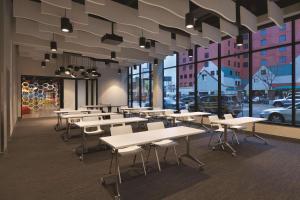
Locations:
(40, 165)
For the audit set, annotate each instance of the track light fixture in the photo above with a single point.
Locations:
(53, 46)
(190, 53)
(47, 57)
(148, 45)
(54, 55)
(155, 61)
(142, 42)
(43, 64)
(65, 24)
(239, 40)
(57, 72)
(68, 71)
(189, 20)
(113, 55)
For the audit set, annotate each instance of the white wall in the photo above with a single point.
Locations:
(69, 94)
(113, 87)
(81, 93)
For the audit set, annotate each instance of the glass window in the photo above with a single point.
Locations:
(207, 86)
(170, 88)
(263, 62)
(271, 36)
(145, 67)
(227, 49)
(282, 49)
(207, 53)
(136, 69)
(263, 53)
(235, 86)
(135, 90)
(297, 28)
(170, 61)
(272, 85)
(186, 87)
(282, 38)
(145, 96)
(297, 99)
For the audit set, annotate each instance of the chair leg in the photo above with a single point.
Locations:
(143, 163)
(212, 134)
(148, 153)
(165, 155)
(156, 154)
(236, 138)
(134, 159)
(175, 152)
(111, 161)
(119, 173)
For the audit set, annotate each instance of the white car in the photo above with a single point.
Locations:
(281, 114)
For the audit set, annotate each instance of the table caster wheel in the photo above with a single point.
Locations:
(213, 148)
(233, 154)
(81, 158)
(117, 197)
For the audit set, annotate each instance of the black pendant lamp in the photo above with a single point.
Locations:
(142, 42)
(65, 24)
(189, 20)
(53, 46)
(57, 72)
(47, 57)
(190, 53)
(134, 67)
(54, 55)
(43, 64)
(239, 38)
(119, 71)
(155, 61)
(113, 55)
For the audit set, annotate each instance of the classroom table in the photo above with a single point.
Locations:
(188, 114)
(226, 123)
(80, 116)
(61, 112)
(146, 137)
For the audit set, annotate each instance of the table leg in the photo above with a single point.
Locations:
(117, 196)
(255, 135)
(188, 154)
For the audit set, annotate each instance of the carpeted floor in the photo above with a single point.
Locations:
(39, 165)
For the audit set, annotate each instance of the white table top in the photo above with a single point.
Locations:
(86, 115)
(154, 111)
(188, 114)
(136, 108)
(146, 137)
(69, 111)
(110, 121)
(96, 106)
(239, 121)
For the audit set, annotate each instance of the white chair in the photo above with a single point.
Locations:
(235, 128)
(215, 129)
(162, 144)
(132, 150)
(169, 119)
(187, 119)
(89, 131)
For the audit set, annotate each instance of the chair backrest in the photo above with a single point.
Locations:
(184, 111)
(81, 108)
(120, 130)
(155, 125)
(90, 118)
(73, 120)
(213, 118)
(118, 116)
(228, 116)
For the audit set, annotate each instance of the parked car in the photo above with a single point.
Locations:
(285, 102)
(171, 104)
(281, 114)
(230, 104)
(260, 100)
(187, 99)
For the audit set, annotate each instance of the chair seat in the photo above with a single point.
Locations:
(130, 150)
(97, 132)
(189, 119)
(164, 143)
(237, 127)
